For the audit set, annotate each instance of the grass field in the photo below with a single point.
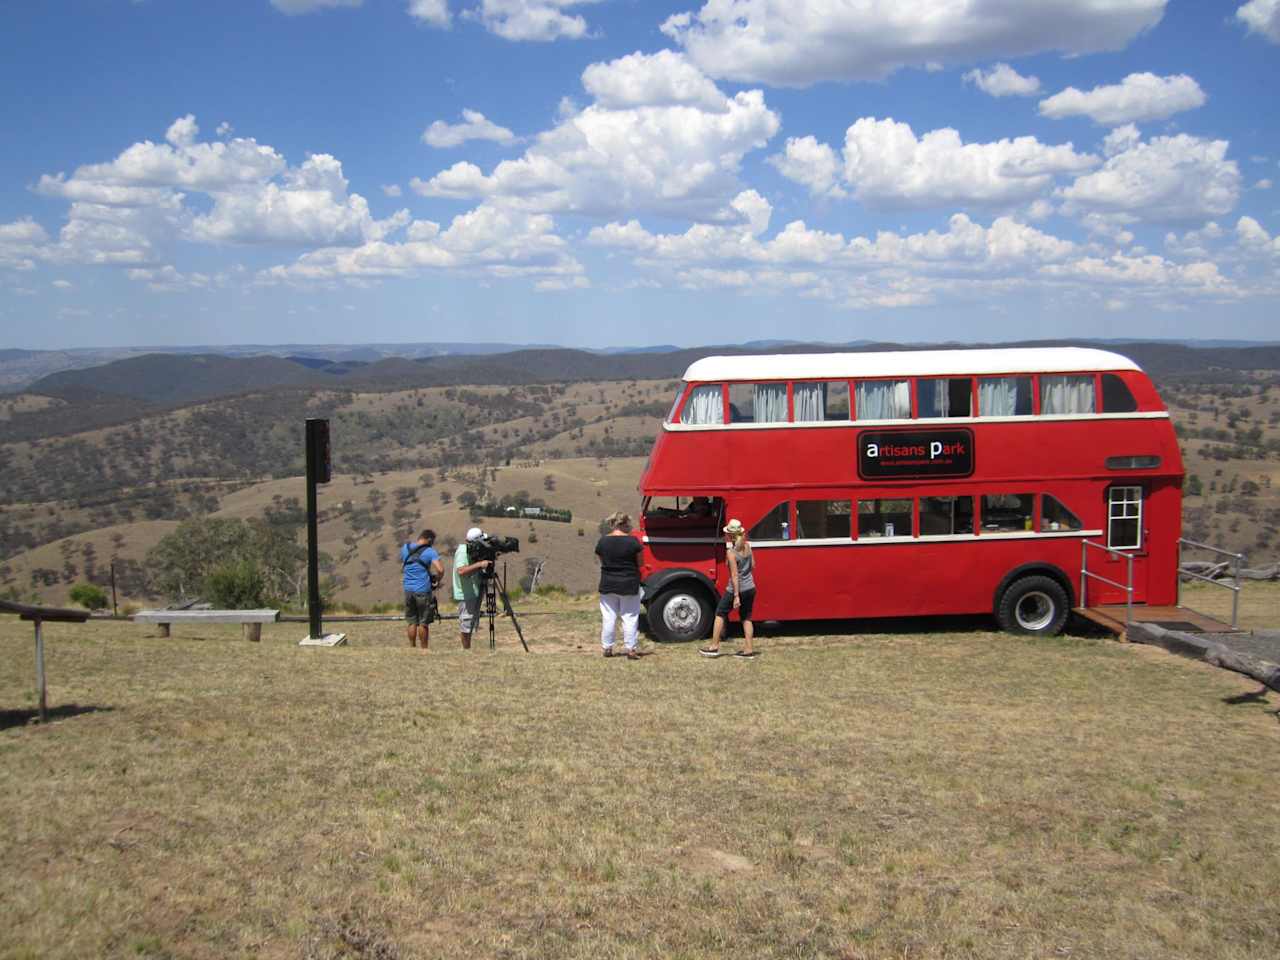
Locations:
(936, 790)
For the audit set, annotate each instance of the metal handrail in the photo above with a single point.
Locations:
(1085, 573)
(1237, 562)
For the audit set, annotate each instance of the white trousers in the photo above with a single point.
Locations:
(611, 606)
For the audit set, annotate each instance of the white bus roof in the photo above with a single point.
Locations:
(905, 363)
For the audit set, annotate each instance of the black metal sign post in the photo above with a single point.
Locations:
(319, 470)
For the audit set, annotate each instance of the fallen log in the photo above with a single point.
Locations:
(1261, 573)
(1210, 651)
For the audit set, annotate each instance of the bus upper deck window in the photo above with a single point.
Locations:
(950, 397)
(1116, 396)
(705, 405)
(883, 400)
(1073, 394)
(675, 405)
(1004, 396)
(758, 403)
(818, 402)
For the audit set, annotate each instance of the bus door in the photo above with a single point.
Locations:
(1126, 532)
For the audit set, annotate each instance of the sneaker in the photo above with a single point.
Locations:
(709, 652)
(608, 651)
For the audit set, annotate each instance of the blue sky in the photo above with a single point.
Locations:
(605, 172)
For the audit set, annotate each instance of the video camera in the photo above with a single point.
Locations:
(488, 547)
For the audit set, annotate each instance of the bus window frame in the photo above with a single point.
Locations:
(1140, 546)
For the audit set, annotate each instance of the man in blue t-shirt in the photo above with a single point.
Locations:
(422, 570)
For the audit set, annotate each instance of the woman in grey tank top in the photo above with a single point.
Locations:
(740, 594)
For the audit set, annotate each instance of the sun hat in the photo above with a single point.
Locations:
(475, 533)
(735, 528)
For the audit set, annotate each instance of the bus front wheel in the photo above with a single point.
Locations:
(680, 613)
(1035, 605)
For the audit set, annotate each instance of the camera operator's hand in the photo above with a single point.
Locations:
(486, 564)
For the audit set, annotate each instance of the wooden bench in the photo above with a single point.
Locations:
(250, 620)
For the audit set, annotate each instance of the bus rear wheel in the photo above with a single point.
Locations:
(1035, 606)
(680, 613)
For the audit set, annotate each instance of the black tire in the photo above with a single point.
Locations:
(680, 613)
(1035, 606)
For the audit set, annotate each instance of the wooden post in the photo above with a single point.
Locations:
(253, 631)
(40, 670)
(164, 629)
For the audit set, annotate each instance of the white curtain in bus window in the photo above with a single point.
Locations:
(945, 516)
(1054, 515)
(885, 518)
(771, 402)
(1007, 512)
(774, 525)
(823, 519)
(1066, 395)
(816, 402)
(884, 400)
(952, 397)
(704, 405)
(1004, 396)
(1124, 515)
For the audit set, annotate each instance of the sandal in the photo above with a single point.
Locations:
(746, 656)
(710, 651)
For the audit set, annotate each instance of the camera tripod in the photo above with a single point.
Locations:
(492, 587)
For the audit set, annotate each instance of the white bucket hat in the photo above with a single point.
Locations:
(475, 533)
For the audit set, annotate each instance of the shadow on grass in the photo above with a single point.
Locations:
(893, 626)
(20, 718)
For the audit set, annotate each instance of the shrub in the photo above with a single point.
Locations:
(236, 586)
(89, 596)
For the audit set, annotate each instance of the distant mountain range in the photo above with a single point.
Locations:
(19, 369)
(174, 379)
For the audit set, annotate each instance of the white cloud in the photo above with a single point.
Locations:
(651, 80)
(497, 241)
(1263, 184)
(62, 284)
(296, 7)
(225, 129)
(678, 159)
(391, 189)
(1151, 272)
(1254, 239)
(167, 279)
(886, 165)
(537, 20)
(810, 163)
(1137, 98)
(474, 127)
(801, 42)
(433, 12)
(1166, 179)
(1261, 16)
(20, 243)
(1003, 81)
(310, 207)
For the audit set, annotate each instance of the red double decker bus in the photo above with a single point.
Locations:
(913, 483)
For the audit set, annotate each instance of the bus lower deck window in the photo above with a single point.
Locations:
(945, 516)
(1007, 512)
(774, 525)
(822, 519)
(1054, 515)
(885, 518)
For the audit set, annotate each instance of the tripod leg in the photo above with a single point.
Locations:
(506, 608)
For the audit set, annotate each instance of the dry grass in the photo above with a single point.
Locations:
(918, 793)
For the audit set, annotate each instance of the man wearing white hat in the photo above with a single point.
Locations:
(466, 586)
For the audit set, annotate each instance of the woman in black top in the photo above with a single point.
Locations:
(619, 554)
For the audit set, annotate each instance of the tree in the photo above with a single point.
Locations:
(237, 586)
(181, 563)
(89, 596)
